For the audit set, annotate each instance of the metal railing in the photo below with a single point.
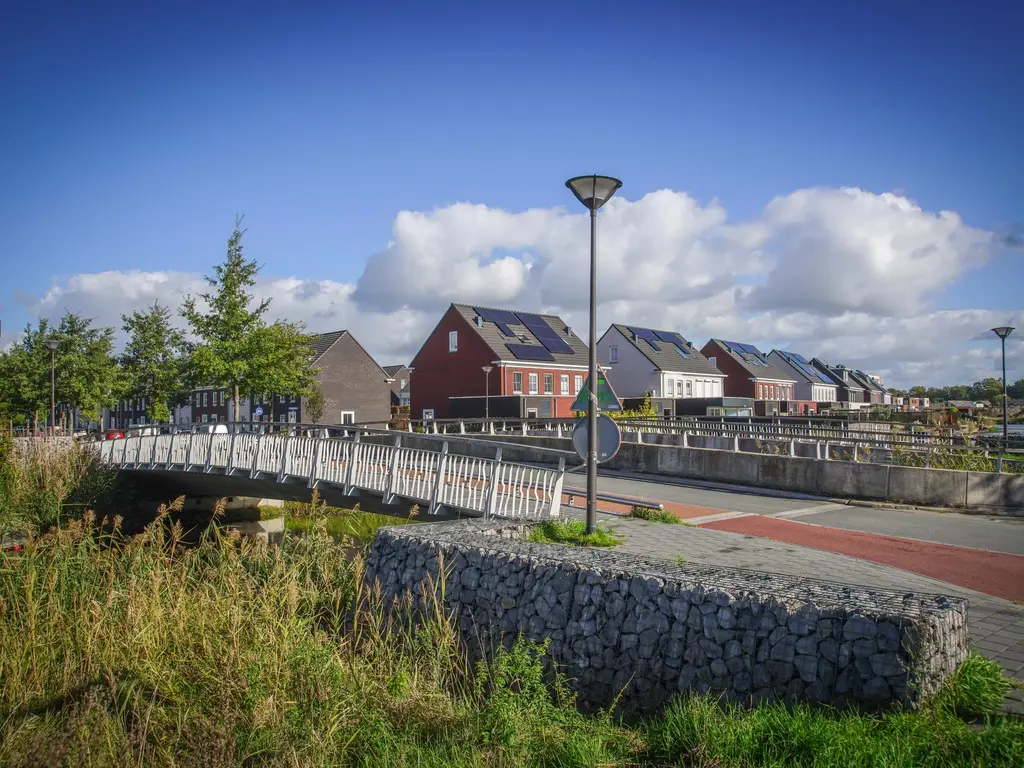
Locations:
(436, 478)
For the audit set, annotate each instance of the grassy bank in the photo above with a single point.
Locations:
(143, 652)
(353, 524)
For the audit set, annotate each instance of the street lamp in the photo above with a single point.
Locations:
(1002, 332)
(52, 345)
(487, 391)
(593, 192)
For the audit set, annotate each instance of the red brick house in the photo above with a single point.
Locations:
(749, 373)
(538, 366)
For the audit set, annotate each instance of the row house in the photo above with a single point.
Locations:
(506, 363)
(750, 374)
(662, 365)
(849, 391)
(356, 389)
(812, 388)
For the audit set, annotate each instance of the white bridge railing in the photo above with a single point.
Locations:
(435, 478)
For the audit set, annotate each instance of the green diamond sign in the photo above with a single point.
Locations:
(606, 399)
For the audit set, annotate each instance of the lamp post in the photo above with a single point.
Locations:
(52, 345)
(487, 392)
(593, 192)
(1002, 332)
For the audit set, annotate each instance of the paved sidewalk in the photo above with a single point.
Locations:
(996, 626)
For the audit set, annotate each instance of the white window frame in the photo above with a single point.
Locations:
(533, 383)
(713, 361)
(453, 341)
(428, 414)
(205, 400)
(613, 354)
(689, 388)
(517, 388)
(563, 384)
(351, 415)
(531, 413)
(577, 384)
(549, 383)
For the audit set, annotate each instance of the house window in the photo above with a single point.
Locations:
(714, 411)
(517, 382)
(205, 398)
(531, 413)
(206, 418)
(549, 384)
(428, 414)
(613, 354)
(714, 362)
(402, 383)
(453, 341)
(689, 389)
(577, 384)
(533, 383)
(293, 415)
(563, 382)
(348, 417)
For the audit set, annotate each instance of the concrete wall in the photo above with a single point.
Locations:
(633, 632)
(1001, 494)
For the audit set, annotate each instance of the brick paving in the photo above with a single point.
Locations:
(996, 625)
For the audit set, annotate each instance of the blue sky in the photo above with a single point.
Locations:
(134, 132)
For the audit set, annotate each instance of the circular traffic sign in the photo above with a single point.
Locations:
(609, 438)
(259, 411)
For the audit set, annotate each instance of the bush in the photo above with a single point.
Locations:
(978, 687)
(572, 533)
(652, 515)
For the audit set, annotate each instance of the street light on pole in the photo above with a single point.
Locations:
(1002, 332)
(487, 391)
(593, 192)
(52, 345)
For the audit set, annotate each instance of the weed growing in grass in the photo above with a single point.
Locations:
(652, 515)
(572, 533)
(353, 524)
(977, 688)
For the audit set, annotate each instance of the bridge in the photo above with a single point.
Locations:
(347, 462)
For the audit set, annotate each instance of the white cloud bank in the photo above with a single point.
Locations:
(841, 273)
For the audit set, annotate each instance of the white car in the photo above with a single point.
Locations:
(212, 429)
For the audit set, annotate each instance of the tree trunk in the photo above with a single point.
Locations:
(236, 402)
(35, 423)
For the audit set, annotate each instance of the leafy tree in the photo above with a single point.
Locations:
(918, 391)
(315, 405)
(236, 347)
(1016, 390)
(987, 389)
(154, 361)
(86, 376)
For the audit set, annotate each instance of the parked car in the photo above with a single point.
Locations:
(114, 434)
(212, 429)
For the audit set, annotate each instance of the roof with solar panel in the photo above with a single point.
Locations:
(525, 336)
(667, 350)
(803, 366)
(755, 362)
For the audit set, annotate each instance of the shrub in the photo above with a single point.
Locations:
(652, 515)
(572, 533)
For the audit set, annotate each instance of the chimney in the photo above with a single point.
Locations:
(479, 321)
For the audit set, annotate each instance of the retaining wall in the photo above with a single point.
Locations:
(988, 492)
(648, 630)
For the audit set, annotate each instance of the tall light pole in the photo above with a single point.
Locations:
(487, 391)
(1002, 332)
(593, 192)
(52, 345)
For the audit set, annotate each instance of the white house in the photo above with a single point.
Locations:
(811, 384)
(642, 361)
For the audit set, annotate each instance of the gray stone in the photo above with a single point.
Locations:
(888, 636)
(718, 668)
(761, 676)
(864, 647)
(857, 627)
(802, 624)
(807, 667)
(877, 688)
(807, 645)
(733, 648)
(886, 665)
(726, 618)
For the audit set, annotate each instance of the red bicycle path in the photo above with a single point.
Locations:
(993, 573)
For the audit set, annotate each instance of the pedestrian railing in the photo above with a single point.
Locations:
(434, 476)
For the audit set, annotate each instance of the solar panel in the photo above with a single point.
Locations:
(545, 334)
(669, 336)
(647, 335)
(530, 352)
(497, 316)
(505, 330)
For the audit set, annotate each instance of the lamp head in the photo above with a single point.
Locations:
(1003, 331)
(51, 344)
(593, 191)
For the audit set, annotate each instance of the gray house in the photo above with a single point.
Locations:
(356, 389)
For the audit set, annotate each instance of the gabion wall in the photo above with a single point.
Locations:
(645, 629)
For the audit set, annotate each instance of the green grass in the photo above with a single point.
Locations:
(353, 524)
(117, 652)
(652, 515)
(572, 533)
(978, 687)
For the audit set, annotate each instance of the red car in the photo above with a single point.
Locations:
(115, 434)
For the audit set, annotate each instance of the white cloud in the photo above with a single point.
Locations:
(844, 274)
